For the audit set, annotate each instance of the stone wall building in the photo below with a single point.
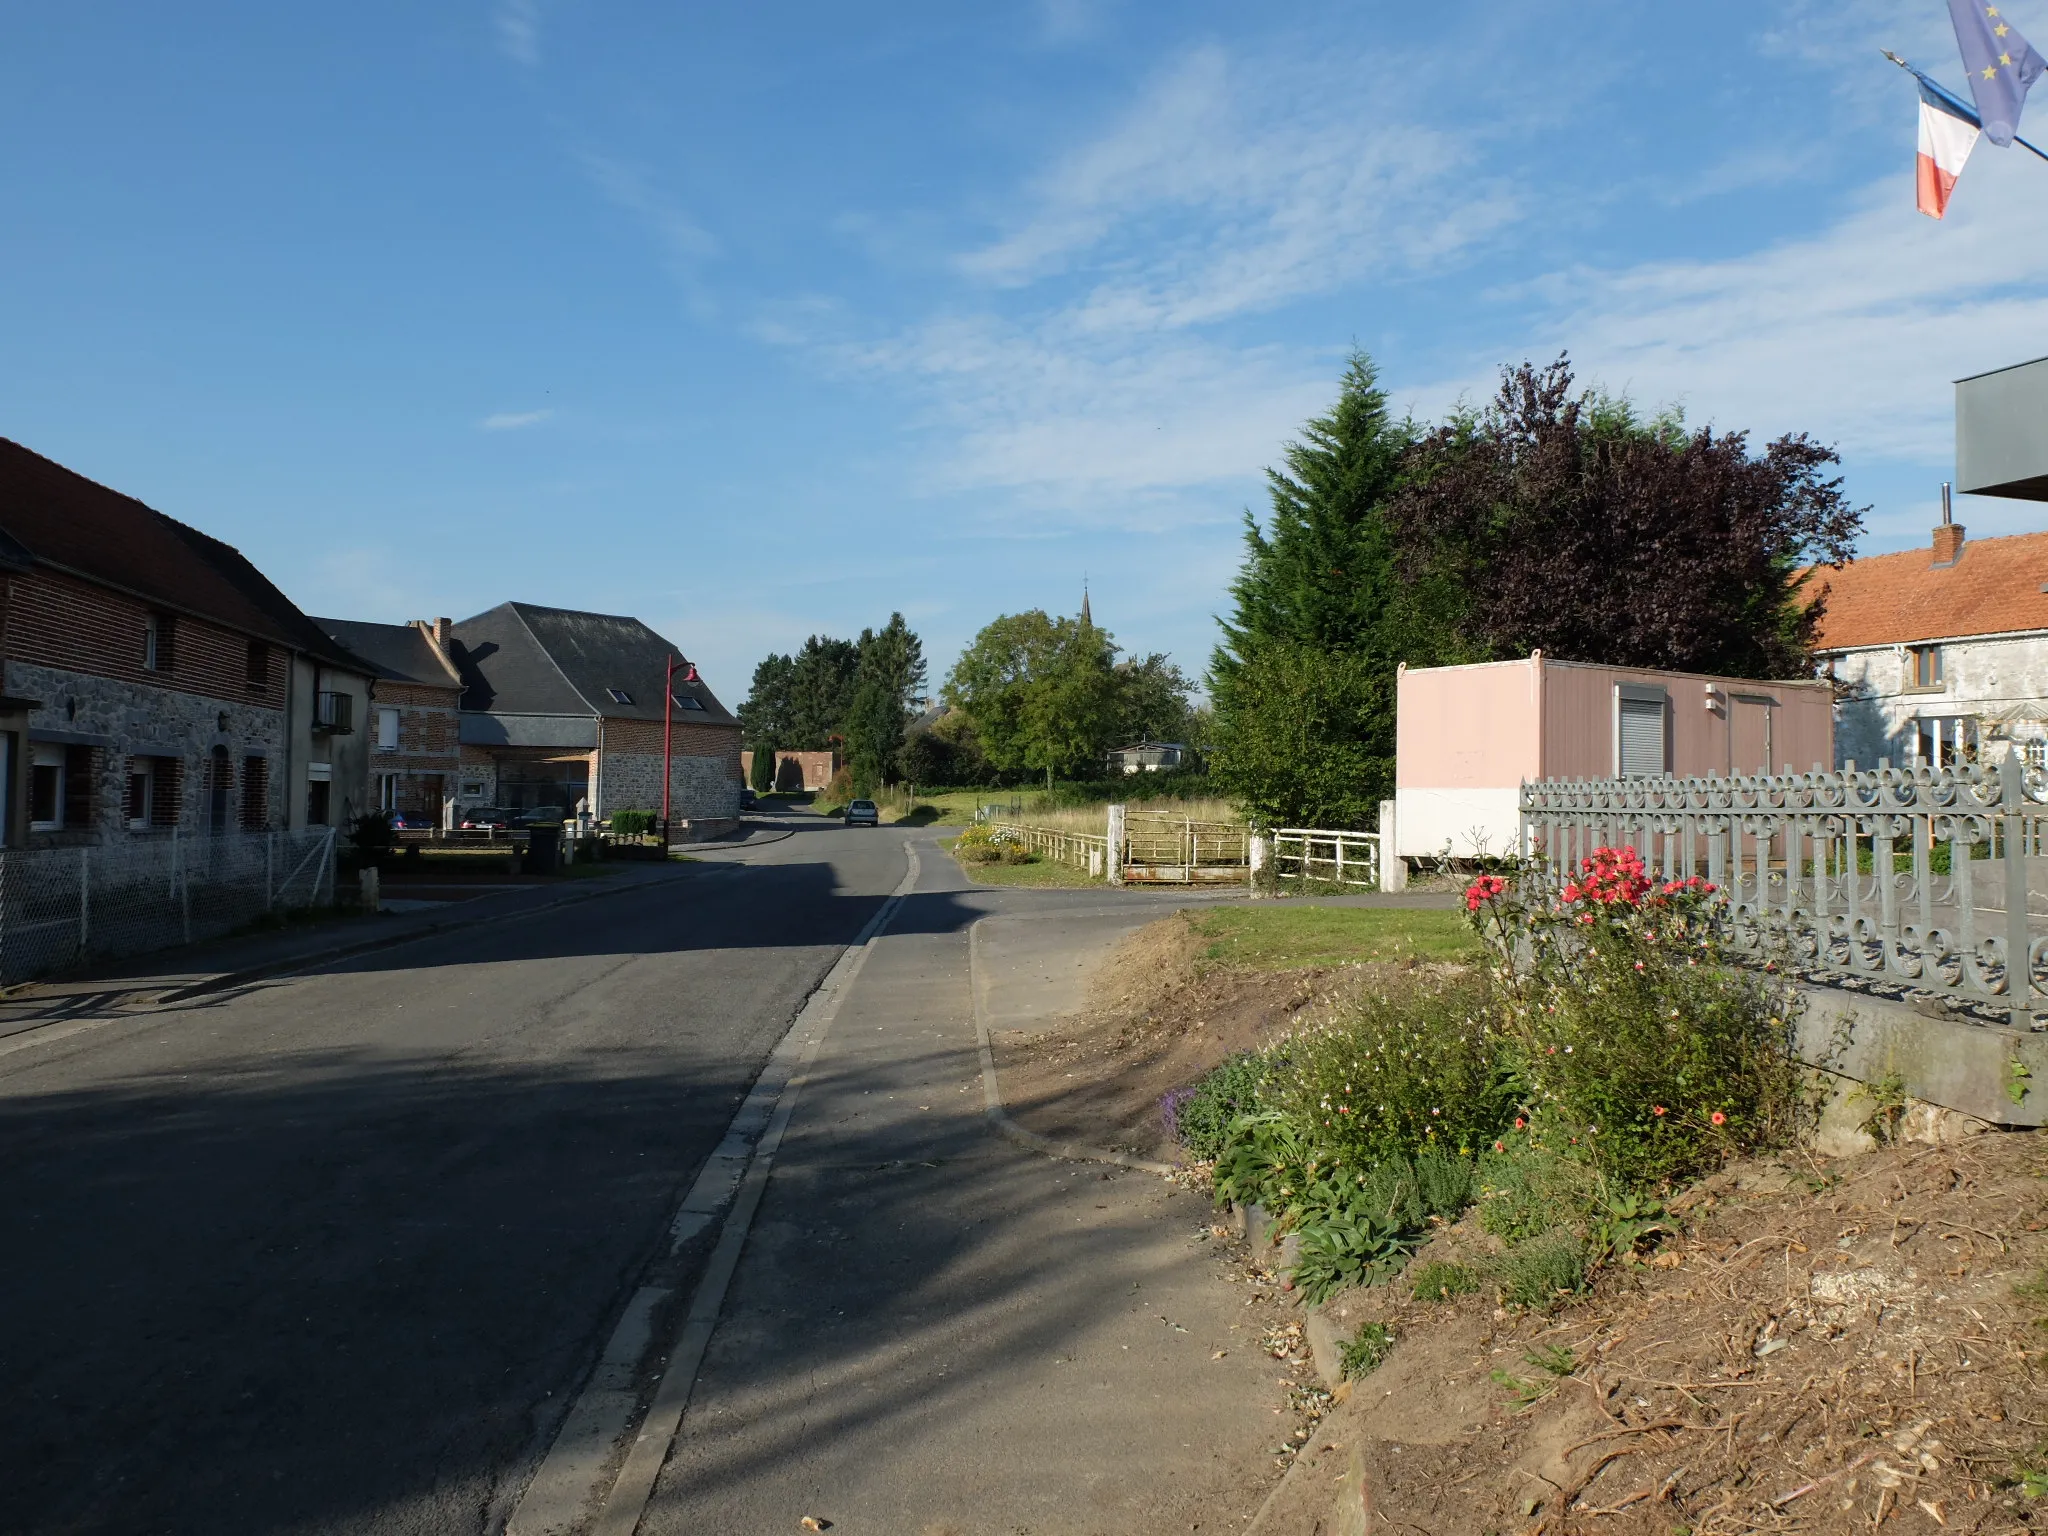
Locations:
(413, 730)
(1940, 652)
(796, 770)
(566, 708)
(154, 678)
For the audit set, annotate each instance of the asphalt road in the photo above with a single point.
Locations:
(330, 1254)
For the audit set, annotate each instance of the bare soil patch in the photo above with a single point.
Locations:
(1156, 1019)
(1827, 1347)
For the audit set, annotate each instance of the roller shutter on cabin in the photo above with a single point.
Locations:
(1642, 737)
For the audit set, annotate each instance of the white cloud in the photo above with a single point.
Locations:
(517, 23)
(1232, 187)
(685, 244)
(513, 421)
(1853, 334)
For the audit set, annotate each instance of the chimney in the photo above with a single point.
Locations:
(1948, 538)
(441, 633)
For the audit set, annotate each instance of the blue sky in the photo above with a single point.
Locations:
(755, 321)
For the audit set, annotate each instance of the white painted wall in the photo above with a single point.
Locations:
(1983, 678)
(1472, 821)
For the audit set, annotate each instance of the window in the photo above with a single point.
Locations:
(159, 642)
(619, 695)
(387, 791)
(45, 787)
(387, 730)
(684, 701)
(319, 785)
(472, 789)
(1641, 745)
(334, 712)
(255, 793)
(1926, 664)
(141, 790)
(259, 665)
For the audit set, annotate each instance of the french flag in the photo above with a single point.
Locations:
(1948, 132)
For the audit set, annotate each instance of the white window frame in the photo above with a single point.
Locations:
(143, 768)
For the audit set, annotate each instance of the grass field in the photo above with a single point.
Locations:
(1269, 937)
(1044, 873)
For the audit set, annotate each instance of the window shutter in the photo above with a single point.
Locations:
(1642, 737)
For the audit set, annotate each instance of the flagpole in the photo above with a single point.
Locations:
(1953, 99)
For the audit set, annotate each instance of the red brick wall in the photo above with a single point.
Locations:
(429, 726)
(643, 737)
(56, 621)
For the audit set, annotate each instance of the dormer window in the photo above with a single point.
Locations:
(619, 695)
(684, 701)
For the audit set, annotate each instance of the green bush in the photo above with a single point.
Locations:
(1351, 1248)
(634, 823)
(1202, 1119)
(1527, 1188)
(1543, 1270)
(1418, 1066)
(1638, 1049)
(1439, 1280)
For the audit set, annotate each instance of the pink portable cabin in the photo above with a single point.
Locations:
(1467, 737)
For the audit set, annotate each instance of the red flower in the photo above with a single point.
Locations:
(1520, 1123)
(1500, 1146)
(1657, 1109)
(1718, 1118)
(1483, 890)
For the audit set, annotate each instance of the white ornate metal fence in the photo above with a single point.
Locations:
(60, 907)
(1327, 858)
(1906, 879)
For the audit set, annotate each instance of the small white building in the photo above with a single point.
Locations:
(1147, 757)
(1940, 652)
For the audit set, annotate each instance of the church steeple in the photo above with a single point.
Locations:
(1087, 619)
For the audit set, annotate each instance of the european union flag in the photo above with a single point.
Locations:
(2002, 64)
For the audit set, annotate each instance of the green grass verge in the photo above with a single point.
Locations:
(1281, 938)
(1044, 873)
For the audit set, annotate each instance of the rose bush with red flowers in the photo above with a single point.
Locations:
(1638, 1047)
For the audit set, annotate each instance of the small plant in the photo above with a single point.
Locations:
(1439, 1280)
(633, 823)
(1201, 1116)
(1886, 1097)
(2017, 1075)
(1526, 1187)
(1362, 1356)
(1543, 1270)
(1357, 1248)
(1553, 1360)
(1622, 1222)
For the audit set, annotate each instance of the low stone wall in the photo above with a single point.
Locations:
(1985, 1071)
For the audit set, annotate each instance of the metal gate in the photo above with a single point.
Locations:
(1160, 848)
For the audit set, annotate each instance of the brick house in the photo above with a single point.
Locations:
(565, 708)
(1941, 650)
(154, 678)
(413, 729)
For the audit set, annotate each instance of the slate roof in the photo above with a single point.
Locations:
(53, 516)
(523, 659)
(399, 653)
(1993, 588)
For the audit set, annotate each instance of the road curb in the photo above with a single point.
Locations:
(992, 1090)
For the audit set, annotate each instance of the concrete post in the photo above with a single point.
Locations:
(371, 896)
(1261, 854)
(1393, 869)
(1116, 845)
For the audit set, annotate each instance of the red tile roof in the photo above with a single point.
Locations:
(55, 516)
(1994, 588)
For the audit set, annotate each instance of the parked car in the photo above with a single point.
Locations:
(540, 816)
(862, 813)
(400, 822)
(478, 817)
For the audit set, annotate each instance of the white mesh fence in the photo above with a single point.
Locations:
(61, 907)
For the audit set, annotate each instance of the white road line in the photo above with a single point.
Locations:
(569, 1476)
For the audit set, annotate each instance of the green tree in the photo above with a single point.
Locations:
(762, 778)
(1565, 522)
(1042, 692)
(888, 679)
(1290, 750)
(1322, 615)
(821, 689)
(1152, 700)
